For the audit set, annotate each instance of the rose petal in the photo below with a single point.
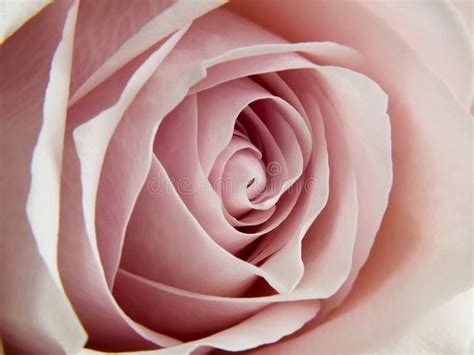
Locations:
(236, 275)
(78, 246)
(329, 242)
(16, 13)
(238, 143)
(267, 326)
(135, 35)
(92, 138)
(150, 113)
(184, 315)
(47, 155)
(157, 245)
(239, 62)
(428, 28)
(172, 84)
(447, 329)
(365, 127)
(225, 101)
(430, 35)
(191, 314)
(33, 119)
(412, 258)
(465, 11)
(242, 168)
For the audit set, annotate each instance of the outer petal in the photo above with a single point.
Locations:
(125, 31)
(80, 264)
(35, 69)
(422, 255)
(429, 28)
(135, 132)
(432, 29)
(465, 9)
(16, 13)
(270, 324)
(448, 329)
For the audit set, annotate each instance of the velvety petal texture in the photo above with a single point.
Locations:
(262, 176)
(16, 13)
(31, 286)
(417, 234)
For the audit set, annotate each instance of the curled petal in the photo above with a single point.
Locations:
(422, 253)
(33, 120)
(126, 30)
(430, 35)
(81, 267)
(164, 81)
(16, 13)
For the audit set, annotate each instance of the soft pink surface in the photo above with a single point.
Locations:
(121, 178)
(169, 102)
(34, 311)
(422, 253)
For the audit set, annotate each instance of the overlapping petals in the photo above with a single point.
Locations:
(428, 217)
(263, 119)
(217, 179)
(35, 68)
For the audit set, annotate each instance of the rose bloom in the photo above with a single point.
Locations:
(195, 176)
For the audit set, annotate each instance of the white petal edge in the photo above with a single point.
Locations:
(271, 320)
(92, 138)
(448, 329)
(43, 199)
(15, 13)
(170, 20)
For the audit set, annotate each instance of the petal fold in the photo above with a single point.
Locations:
(33, 120)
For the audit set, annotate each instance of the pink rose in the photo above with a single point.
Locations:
(183, 176)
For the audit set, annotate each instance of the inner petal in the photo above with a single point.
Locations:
(244, 175)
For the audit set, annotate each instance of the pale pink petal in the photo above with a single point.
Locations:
(92, 139)
(447, 329)
(432, 29)
(224, 102)
(237, 63)
(33, 118)
(241, 169)
(327, 252)
(108, 327)
(256, 175)
(366, 128)
(150, 113)
(109, 25)
(140, 240)
(428, 27)
(157, 244)
(191, 316)
(285, 242)
(422, 254)
(78, 245)
(274, 83)
(465, 10)
(329, 242)
(201, 199)
(267, 326)
(184, 315)
(48, 152)
(126, 29)
(165, 81)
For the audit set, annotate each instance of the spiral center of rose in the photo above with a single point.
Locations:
(252, 172)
